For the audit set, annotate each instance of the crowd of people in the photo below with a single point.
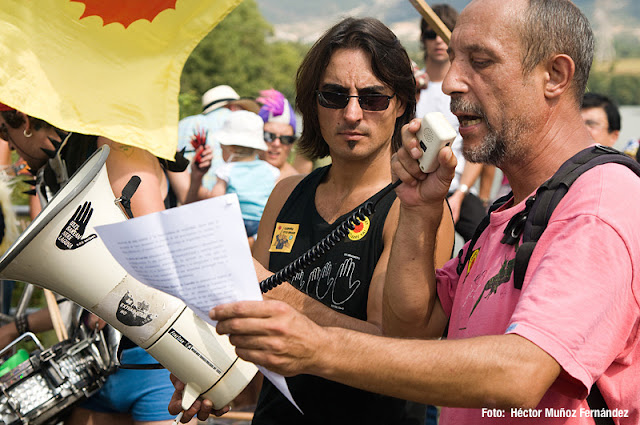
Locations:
(392, 317)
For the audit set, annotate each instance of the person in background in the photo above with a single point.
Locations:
(243, 173)
(128, 396)
(602, 118)
(196, 131)
(280, 133)
(422, 79)
(466, 206)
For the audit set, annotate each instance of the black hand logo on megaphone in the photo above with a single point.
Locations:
(71, 235)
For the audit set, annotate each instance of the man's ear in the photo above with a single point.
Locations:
(559, 75)
(402, 106)
(613, 137)
(27, 121)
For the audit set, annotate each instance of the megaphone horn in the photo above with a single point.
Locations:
(61, 251)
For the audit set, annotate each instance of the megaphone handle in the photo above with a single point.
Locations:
(56, 317)
(189, 395)
(124, 201)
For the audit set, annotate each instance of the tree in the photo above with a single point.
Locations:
(625, 89)
(237, 52)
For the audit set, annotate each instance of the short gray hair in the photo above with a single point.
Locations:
(554, 27)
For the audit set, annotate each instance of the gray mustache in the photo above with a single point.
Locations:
(459, 105)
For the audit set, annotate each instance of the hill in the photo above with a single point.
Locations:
(305, 20)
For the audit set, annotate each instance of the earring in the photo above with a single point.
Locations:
(29, 134)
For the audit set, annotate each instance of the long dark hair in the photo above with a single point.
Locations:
(389, 62)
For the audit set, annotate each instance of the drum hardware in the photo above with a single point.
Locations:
(42, 387)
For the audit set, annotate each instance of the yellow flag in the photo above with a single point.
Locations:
(104, 67)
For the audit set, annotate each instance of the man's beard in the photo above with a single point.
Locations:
(499, 145)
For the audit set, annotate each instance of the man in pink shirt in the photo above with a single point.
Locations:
(515, 356)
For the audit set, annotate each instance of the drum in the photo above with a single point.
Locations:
(41, 389)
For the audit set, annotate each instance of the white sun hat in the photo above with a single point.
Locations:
(242, 128)
(224, 95)
(218, 97)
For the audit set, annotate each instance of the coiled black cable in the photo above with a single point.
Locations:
(328, 242)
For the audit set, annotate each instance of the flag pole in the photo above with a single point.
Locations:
(56, 317)
(432, 19)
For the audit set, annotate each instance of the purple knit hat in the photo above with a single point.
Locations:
(276, 108)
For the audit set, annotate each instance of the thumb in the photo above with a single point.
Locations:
(447, 169)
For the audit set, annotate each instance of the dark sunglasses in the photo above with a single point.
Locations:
(368, 102)
(285, 140)
(429, 35)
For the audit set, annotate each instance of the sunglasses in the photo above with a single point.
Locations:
(368, 102)
(429, 35)
(285, 140)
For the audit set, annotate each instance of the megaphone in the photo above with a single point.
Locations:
(61, 251)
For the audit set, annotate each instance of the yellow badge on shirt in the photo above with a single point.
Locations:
(283, 237)
(472, 260)
(360, 230)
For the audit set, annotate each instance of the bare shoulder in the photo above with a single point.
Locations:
(123, 156)
(119, 148)
(391, 223)
(278, 197)
(283, 189)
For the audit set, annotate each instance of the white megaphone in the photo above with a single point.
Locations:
(61, 251)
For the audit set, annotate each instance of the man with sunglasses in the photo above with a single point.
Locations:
(355, 90)
(467, 208)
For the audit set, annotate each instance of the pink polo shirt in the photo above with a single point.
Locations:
(580, 300)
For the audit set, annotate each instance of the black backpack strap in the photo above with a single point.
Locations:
(597, 402)
(483, 225)
(549, 195)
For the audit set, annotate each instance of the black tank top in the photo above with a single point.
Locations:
(340, 280)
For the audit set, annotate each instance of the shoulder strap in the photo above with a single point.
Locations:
(547, 198)
(532, 221)
(549, 195)
(597, 402)
(483, 225)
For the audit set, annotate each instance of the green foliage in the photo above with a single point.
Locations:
(237, 52)
(623, 88)
(37, 299)
(627, 46)
(190, 103)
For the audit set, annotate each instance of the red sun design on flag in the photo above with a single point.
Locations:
(125, 11)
